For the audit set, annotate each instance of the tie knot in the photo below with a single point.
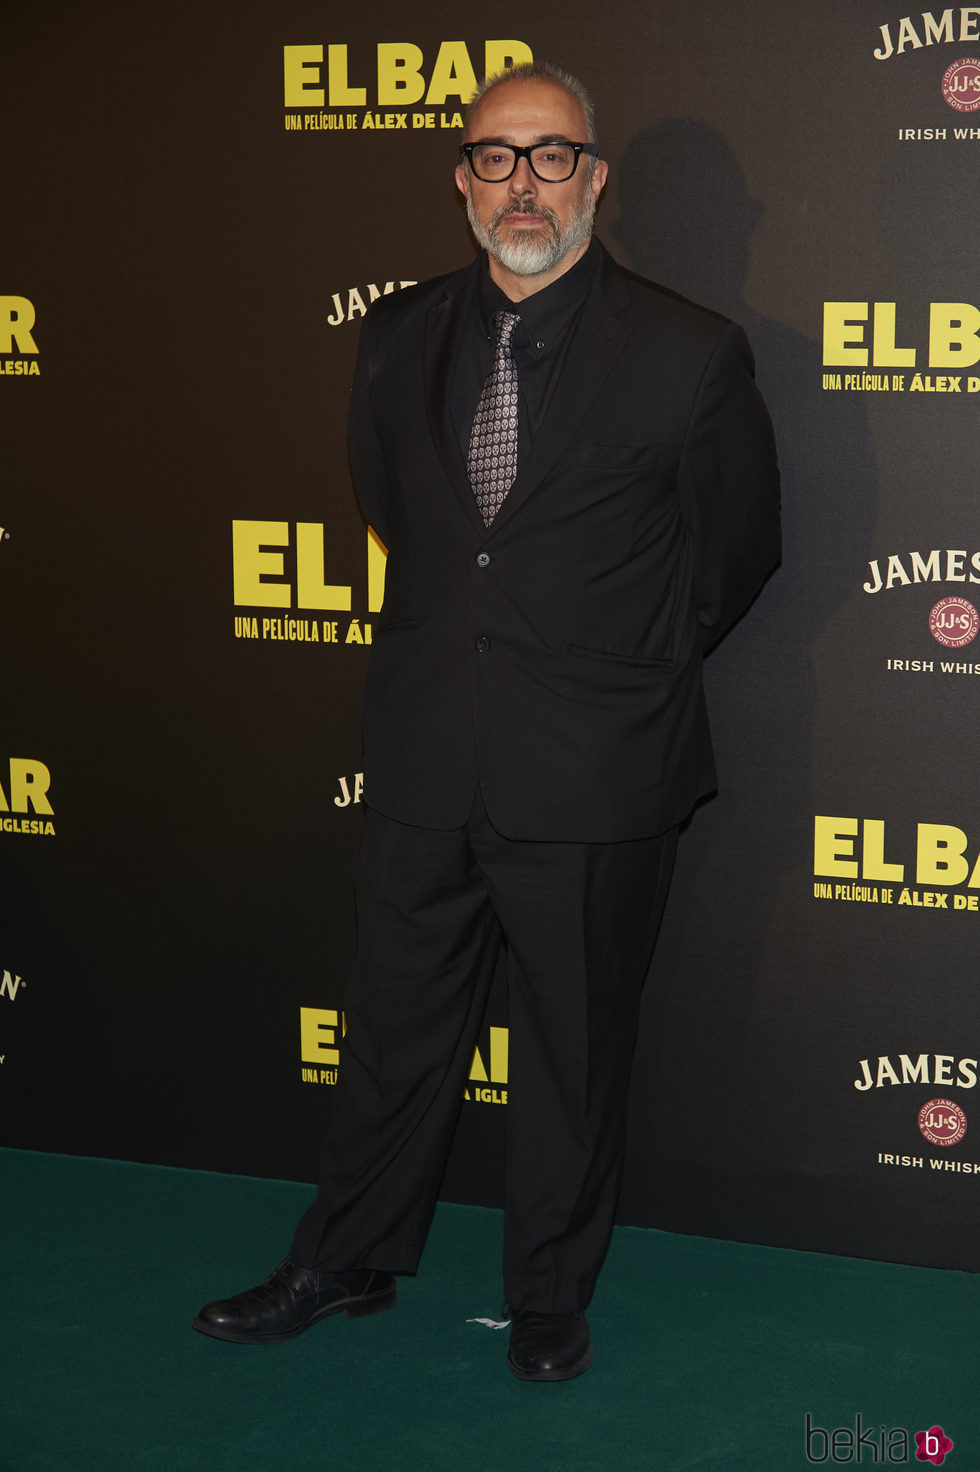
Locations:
(504, 323)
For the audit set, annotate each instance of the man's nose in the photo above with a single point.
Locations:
(522, 181)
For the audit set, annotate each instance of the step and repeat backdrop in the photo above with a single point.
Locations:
(200, 203)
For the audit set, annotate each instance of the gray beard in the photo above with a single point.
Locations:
(532, 257)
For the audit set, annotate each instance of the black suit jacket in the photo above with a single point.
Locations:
(555, 657)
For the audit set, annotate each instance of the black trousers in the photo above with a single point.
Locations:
(579, 921)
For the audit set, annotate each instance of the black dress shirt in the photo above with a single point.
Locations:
(540, 345)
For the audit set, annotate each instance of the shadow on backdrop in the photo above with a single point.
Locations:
(730, 952)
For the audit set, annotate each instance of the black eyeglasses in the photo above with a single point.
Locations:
(551, 162)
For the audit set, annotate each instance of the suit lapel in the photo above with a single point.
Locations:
(443, 330)
(600, 336)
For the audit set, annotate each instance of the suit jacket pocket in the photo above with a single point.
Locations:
(619, 457)
(392, 625)
(606, 656)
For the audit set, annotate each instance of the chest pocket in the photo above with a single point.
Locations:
(619, 457)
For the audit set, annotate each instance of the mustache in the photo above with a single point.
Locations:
(522, 207)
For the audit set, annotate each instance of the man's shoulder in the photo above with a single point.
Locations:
(659, 310)
(418, 298)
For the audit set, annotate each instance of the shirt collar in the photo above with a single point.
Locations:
(545, 313)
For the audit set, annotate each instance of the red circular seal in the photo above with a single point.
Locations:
(954, 622)
(961, 84)
(942, 1122)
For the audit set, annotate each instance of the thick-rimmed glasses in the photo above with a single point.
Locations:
(551, 162)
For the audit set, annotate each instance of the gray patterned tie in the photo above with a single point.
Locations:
(492, 458)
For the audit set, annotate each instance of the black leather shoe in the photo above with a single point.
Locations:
(549, 1346)
(292, 1300)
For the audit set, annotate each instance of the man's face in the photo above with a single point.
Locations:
(529, 227)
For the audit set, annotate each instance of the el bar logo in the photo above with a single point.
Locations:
(884, 1445)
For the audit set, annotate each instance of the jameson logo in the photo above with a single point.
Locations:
(350, 303)
(961, 88)
(935, 1068)
(942, 1121)
(350, 792)
(10, 985)
(903, 569)
(958, 23)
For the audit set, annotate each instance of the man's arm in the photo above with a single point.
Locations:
(364, 447)
(728, 482)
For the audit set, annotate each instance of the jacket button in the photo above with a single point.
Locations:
(483, 559)
(482, 644)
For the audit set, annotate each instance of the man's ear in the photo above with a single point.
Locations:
(462, 181)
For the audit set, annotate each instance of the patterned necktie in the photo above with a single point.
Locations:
(492, 458)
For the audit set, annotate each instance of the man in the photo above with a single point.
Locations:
(575, 478)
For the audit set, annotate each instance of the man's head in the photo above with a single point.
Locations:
(533, 228)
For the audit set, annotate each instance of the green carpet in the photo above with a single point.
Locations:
(707, 1354)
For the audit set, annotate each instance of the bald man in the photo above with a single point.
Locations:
(574, 475)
